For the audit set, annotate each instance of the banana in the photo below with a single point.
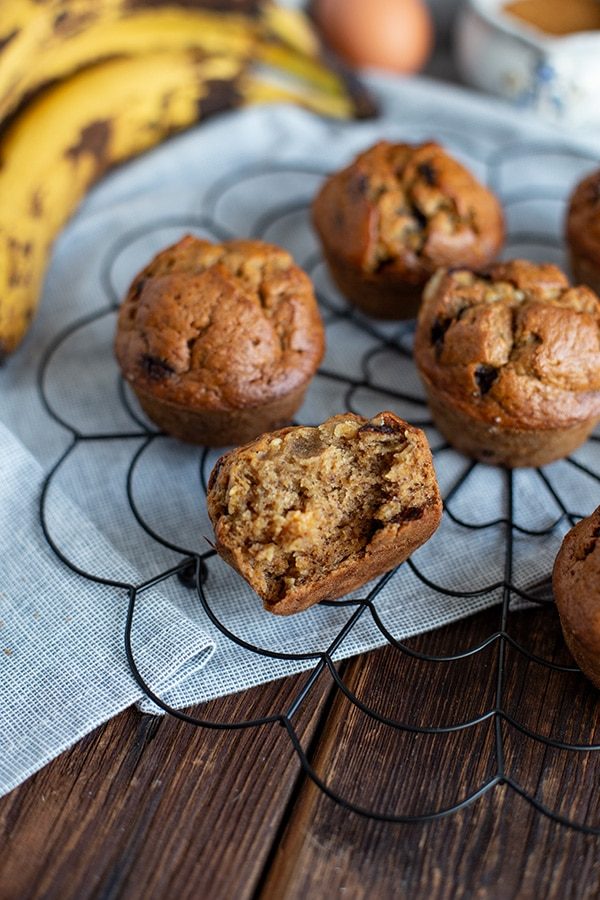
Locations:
(42, 43)
(257, 87)
(123, 75)
(63, 38)
(63, 141)
(291, 27)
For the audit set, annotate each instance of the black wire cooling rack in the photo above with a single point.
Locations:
(195, 568)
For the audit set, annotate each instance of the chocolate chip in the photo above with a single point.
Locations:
(428, 174)
(485, 376)
(379, 429)
(410, 514)
(384, 264)
(307, 445)
(155, 368)
(420, 217)
(589, 548)
(137, 288)
(438, 333)
(359, 184)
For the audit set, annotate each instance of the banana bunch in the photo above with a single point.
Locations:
(87, 84)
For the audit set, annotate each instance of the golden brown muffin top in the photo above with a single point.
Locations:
(409, 209)
(583, 218)
(515, 345)
(220, 326)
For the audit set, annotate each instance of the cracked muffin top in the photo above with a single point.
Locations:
(583, 217)
(408, 210)
(221, 326)
(515, 345)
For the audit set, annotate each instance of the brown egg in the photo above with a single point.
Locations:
(388, 34)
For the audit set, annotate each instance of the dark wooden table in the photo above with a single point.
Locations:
(152, 807)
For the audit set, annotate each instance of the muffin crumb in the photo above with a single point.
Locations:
(310, 513)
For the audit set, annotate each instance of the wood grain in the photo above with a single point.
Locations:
(499, 847)
(151, 807)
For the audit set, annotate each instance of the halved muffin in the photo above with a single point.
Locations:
(310, 513)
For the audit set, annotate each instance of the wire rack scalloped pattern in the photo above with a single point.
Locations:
(194, 568)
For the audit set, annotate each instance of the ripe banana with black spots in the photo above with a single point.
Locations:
(43, 42)
(66, 139)
(163, 66)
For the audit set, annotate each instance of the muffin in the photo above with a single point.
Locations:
(576, 585)
(219, 341)
(396, 214)
(307, 514)
(510, 359)
(583, 231)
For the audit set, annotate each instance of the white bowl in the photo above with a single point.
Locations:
(557, 77)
